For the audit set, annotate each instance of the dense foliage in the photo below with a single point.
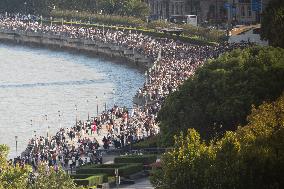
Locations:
(220, 94)
(84, 16)
(43, 7)
(12, 176)
(50, 178)
(19, 177)
(123, 7)
(144, 159)
(150, 142)
(191, 34)
(272, 23)
(252, 157)
(124, 169)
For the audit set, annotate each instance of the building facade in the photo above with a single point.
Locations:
(213, 11)
(245, 11)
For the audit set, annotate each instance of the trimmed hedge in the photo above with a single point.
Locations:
(191, 34)
(90, 181)
(130, 169)
(193, 39)
(98, 18)
(144, 159)
(150, 142)
(83, 176)
(125, 170)
(116, 165)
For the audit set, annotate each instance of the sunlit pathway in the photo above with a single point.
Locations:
(143, 183)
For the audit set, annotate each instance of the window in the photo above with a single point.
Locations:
(249, 10)
(242, 11)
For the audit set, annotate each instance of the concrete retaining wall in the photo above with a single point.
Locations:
(96, 47)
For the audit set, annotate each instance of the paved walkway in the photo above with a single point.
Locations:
(143, 183)
(103, 132)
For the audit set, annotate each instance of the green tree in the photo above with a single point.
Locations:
(251, 157)
(272, 23)
(12, 177)
(136, 8)
(49, 178)
(220, 94)
(182, 167)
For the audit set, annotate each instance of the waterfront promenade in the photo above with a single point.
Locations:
(173, 63)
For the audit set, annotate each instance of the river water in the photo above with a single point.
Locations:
(37, 82)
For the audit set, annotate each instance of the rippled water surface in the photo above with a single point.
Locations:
(37, 82)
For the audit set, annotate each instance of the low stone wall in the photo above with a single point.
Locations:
(94, 47)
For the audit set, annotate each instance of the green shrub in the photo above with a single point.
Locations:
(90, 181)
(192, 31)
(144, 159)
(191, 34)
(83, 176)
(116, 165)
(111, 179)
(150, 142)
(92, 187)
(130, 169)
(193, 39)
(81, 182)
(98, 18)
(125, 170)
(222, 92)
(108, 171)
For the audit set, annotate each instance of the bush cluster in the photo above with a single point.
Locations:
(201, 33)
(150, 142)
(144, 159)
(191, 33)
(124, 169)
(88, 180)
(98, 18)
(219, 96)
(251, 157)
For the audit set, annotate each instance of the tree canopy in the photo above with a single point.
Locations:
(44, 7)
(251, 157)
(19, 176)
(272, 23)
(220, 94)
(12, 176)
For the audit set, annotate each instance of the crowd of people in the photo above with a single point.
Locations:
(69, 148)
(173, 63)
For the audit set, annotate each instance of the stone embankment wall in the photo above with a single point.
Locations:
(84, 45)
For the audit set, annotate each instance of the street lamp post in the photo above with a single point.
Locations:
(25, 3)
(146, 75)
(16, 139)
(105, 102)
(149, 75)
(47, 125)
(113, 92)
(50, 21)
(88, 110)
(59, 119)
(97, 106)
(31, 126)
(76, 114)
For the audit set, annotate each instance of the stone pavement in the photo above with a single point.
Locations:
(103, 132)
(143, 183)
